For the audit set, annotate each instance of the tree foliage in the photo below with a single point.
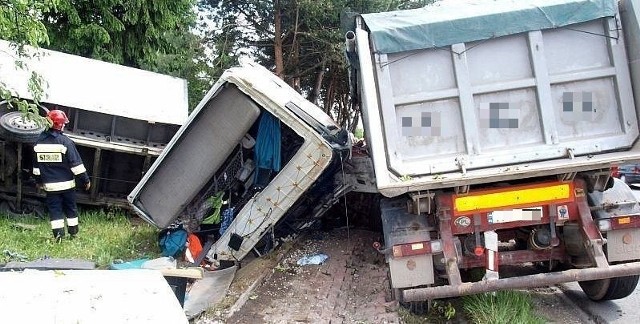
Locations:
(21, 24)
(299, 40)
(154, 35)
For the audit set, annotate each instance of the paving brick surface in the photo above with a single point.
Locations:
(351, 286)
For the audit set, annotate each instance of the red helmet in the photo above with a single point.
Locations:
(58, 119)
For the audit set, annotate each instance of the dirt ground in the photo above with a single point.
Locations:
(351, 286)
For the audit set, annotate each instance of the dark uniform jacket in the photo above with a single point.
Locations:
(57, 162)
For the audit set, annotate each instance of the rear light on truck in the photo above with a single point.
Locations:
(409, 249)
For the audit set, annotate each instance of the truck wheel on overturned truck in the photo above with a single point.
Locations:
(14, 127)
(609, 289)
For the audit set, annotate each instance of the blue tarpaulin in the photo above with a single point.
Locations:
(455, 21)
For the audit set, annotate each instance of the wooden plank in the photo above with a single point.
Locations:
(193, 272)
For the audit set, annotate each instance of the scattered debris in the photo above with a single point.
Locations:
(23, 226)
(161, 263)
(316, 259)
(208, 291)
(15, 255)
(120, 264)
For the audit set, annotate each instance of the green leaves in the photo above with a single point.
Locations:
(20, 21)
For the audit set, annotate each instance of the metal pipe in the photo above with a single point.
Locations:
(350, 41)
(530, 281)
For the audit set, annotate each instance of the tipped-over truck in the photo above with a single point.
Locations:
(117, 120)
(490, 129)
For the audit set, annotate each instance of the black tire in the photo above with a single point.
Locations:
(609, 289)
(28, 210)
(420, 307)
(14, 127)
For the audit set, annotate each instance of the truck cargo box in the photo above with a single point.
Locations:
(484, 91)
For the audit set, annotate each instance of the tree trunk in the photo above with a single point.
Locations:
(277, 42)
(315, 94)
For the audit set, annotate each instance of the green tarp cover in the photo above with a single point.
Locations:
(457, 21)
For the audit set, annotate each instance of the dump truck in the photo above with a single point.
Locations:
(116, 118)
(490, 131)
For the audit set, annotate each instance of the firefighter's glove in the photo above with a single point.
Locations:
(87, 186)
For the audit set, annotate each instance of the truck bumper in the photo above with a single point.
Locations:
(530, 281)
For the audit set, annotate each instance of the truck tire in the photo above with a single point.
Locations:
(28, 209)
(14, 127)
(609, 289)
(415, 307)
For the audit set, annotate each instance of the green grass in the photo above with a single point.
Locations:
(503, 307)
(103, 238)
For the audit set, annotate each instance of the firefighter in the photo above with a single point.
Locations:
(56, 164)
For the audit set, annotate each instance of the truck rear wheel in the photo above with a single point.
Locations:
(609, 289)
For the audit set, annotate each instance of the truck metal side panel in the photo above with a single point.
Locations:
(536, 103)
(267, 207)
(630, 17)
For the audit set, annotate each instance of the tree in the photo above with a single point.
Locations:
(21, 23)
(299, 40)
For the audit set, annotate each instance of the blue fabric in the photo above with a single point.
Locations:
(134, 264)
(267, 149)
(173, 242)
(227, 218)
(51, 172)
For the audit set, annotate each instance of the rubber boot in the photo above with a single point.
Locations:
(58, 234)
(73, 231)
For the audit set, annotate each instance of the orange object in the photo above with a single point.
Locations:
(194, 245)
